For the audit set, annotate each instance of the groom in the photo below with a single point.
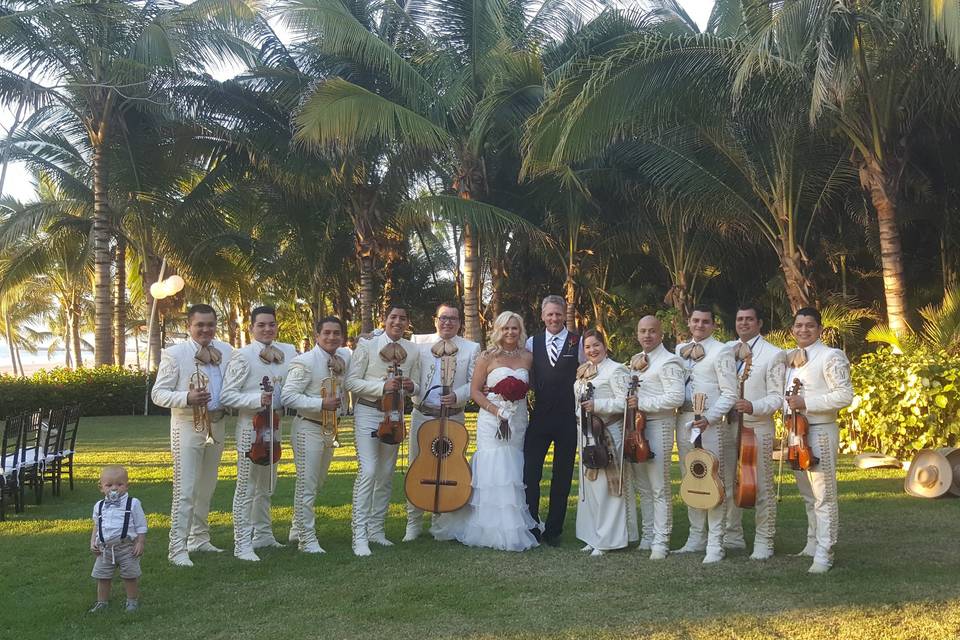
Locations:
(556, 356)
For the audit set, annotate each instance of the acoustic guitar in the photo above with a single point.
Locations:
(439, 479)
(701, 487)
(745, 489)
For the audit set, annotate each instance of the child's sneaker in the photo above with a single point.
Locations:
(132, 605)
(99, 607)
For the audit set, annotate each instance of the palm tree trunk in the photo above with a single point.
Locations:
(498, 274)
(67, 347)
(75, 335)
(102, 259)
(16, 350)
(570, 294)
(882, 193)
(797, 284)
(366, 292)
(471, 289)
(9, 335)
(153, 272)
(120, 302)
(233, 325)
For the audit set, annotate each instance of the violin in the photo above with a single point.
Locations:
(265, 449)
(799, 453)
(595, 456)
(392, 429)
(636, 448)
(745, 489)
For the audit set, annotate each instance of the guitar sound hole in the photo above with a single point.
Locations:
(441, 447)
(699, 470)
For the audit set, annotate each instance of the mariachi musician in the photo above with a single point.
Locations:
(605, 493)
(444, 343)
(314, 387)
(661, 379)
(188, 383)
(763, 397)
(371, 376)
(711, 371)
(243, 390)
(824, 375)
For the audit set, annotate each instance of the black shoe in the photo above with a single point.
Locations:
(536, 533)
(553, 541)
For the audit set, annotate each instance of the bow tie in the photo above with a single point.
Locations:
(742, 352)
(640, 362)
(693, 351)
(208, 355)
(587, 371)
(798, 357)
(336, 365)
(271, 355)
(444, 348)
(393, 353)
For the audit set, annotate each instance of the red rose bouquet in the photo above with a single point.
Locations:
(511, 389)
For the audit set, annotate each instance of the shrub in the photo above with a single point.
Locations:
(903, 403)
(101, 391)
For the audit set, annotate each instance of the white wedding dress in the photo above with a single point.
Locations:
(497, 514)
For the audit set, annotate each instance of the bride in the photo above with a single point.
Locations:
(497, 514)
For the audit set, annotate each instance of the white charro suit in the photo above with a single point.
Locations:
(242, 391)
(312, 446)
(376, 461)
(715, 375)
(659, 396)
(764, 389)
(195, 460)
(826, 389)
(603, 520)
(428, 399)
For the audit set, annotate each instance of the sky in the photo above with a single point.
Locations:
(19, 183)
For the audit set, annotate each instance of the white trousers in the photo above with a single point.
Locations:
(195, 466)
(312, 454)
(376, 464)
(818, 487)
(414, 515)
(766, 507)
(651, 479)
(251, 499)
(732, 514)
(706, 526)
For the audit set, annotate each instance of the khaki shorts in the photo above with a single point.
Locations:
(116, 555)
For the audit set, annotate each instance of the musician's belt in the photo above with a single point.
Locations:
(217, 415)
(373, 404)
(316, 422)
(434, 412)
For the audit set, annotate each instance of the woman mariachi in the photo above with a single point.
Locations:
(602, 521)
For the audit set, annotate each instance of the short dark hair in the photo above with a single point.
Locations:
(200, 308)
(270, 311)
(750, 306)
(395, 304)
(810, 312)
(703, 308)
(595, 333)
(324, 320)
(449, 305)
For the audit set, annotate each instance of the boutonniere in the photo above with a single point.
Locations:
(572, 340)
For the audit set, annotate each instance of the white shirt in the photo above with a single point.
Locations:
(113, 514)
(561, 339)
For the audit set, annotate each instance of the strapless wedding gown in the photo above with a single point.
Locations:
(497, 514)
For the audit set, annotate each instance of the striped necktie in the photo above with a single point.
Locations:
(553, 350)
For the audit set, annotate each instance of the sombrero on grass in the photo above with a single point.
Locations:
(874, 460)
(929, 476)
(952, 454)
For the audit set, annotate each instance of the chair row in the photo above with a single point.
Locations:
(37, 447)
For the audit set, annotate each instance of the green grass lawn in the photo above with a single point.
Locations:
(897, 573)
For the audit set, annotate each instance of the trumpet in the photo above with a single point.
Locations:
(329, 417)
(201, 414)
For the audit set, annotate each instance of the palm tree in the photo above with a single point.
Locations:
(877, 71)
(102, 58)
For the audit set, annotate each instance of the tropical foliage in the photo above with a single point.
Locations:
(793, 153)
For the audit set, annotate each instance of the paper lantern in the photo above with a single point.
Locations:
(157, 290)
(174, 285)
